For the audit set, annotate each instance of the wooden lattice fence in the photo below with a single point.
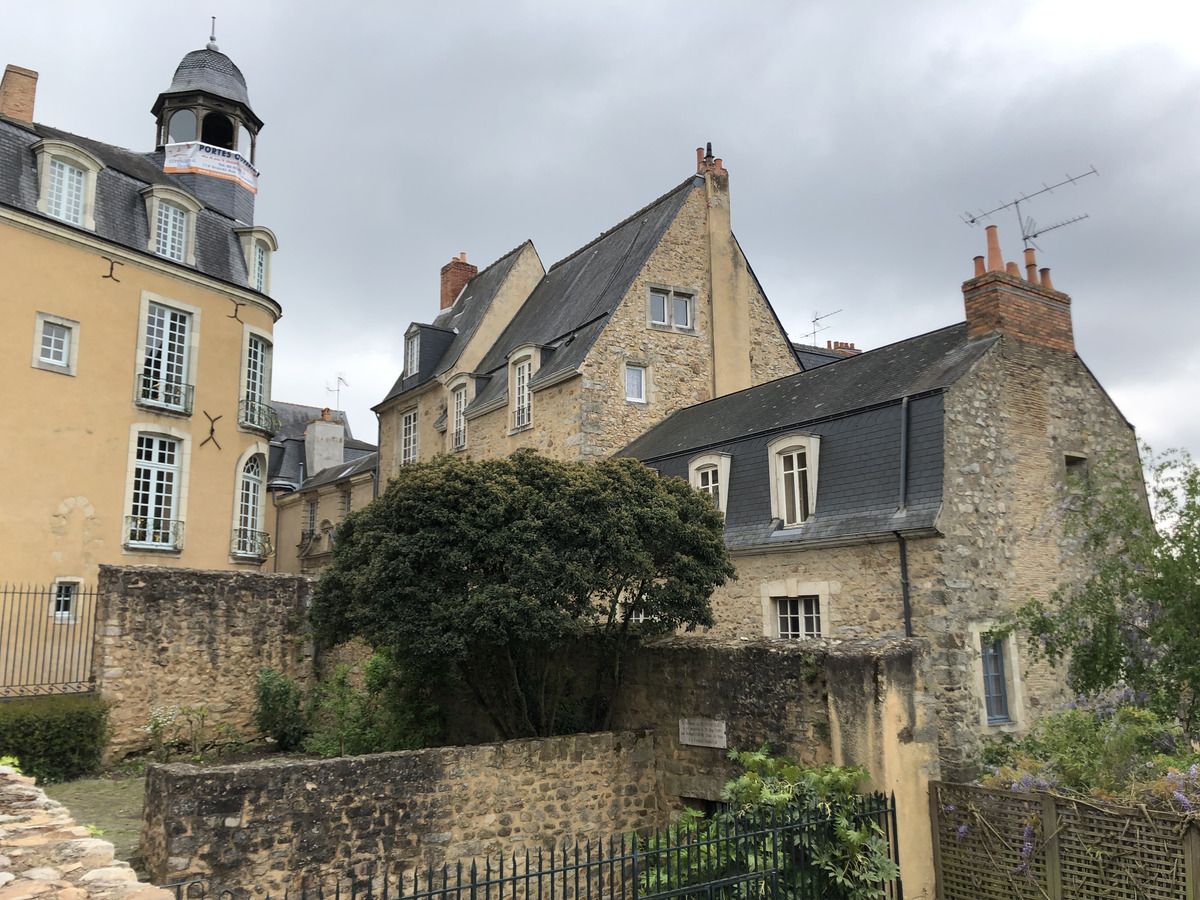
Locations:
(991, 843)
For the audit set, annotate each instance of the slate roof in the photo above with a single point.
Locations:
(212, 71)
(855, 406)
(569, 307)
(285, 467)
(348, 469)
(442, 342)
(811, 357)
(120, 210)
(924, 363)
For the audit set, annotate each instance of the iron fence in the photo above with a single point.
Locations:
(46, 639)
(758, 859)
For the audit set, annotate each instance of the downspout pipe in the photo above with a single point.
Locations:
(904, 586)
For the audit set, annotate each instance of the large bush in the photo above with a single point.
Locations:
(55, 738)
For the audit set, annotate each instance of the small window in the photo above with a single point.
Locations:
(260, 267)
(995, 683)
(54, 343)
(171, 214)
(709, 482)
(64, 196)
(799, 617)
(709, 473)
(672, 308)
(310, 518)
(408, 438)
(171, 234)
(412, 351)
(64, 602)
(635, 383)
(347, 502)
(1077, 470)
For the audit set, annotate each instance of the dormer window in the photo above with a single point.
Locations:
(67, 182)
(412, 353)
(522, 404)
(172, 217)
(258, 243)
(709, 473)
(793, 463)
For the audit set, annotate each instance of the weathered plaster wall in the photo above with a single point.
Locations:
(182, 637)
(270, 825)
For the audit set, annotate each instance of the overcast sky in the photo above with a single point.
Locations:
(856, 134)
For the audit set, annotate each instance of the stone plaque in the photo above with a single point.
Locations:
(703, 733)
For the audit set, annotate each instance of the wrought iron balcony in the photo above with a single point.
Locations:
(248, 544)
(173, 396)
(258, 415)
(150, 533)
(459, 439)
(521, 417)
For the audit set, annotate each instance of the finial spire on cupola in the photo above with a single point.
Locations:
(212, 38)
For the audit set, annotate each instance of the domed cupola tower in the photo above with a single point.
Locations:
(209, 133)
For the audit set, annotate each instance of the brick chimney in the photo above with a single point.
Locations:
(17, 90)
(999, 299)
(455, 275)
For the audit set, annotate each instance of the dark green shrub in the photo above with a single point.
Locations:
(55, 738)
(278, 709)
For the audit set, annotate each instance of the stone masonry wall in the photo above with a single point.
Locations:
(44, 854)
(183, 637)
(273, 825)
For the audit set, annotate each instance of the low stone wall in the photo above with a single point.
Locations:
(44, 854)
(185, 637)
(271, 825)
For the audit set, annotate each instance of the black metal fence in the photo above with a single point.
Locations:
(762, 859)
(46, 639)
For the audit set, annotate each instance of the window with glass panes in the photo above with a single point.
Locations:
(635, 383)
(171, 236)
(995, 687)
(799, 617)
(164, 369)
(408, 438)
(708, 481)
(155, 491)
(671, 309)
(260, 267)
(793, 466)
(460, 418)
(250, 508)
(257, 352)
(64, 197)
(64, 601)
(56, 343)
(521, 408)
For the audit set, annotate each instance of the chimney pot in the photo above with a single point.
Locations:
(1013, 269)
(1046, 280)
(18, 89)
(829, 345)
(325, 414)
(980, 268)
(995, 261)
(1030, 265)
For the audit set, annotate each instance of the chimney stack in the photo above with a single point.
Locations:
(455, 275)
(1026, 308)
(324, 444)
(17, 91)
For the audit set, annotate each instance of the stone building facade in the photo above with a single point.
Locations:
(659, 313)
(912, 491)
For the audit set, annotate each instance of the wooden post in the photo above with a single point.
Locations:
(1191, 862)
(1050, 831)
(934, 812)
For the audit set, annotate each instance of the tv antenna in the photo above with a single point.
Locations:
(817, 327)
(336, 390)
(1029, 228)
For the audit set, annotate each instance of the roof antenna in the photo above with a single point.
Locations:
(1029, 228)
(818, 327)
(212, 38)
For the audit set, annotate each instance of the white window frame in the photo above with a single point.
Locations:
(182, 468)
(412, 352)
(51, 149)
(980, 633)
(777, 449)
(251, 389)
(522, 395)
(71, 351)
(794, 589)
(644, 375)
(74, 587)
(249, 503)
(410, 437)
(160, 370)
(458, 416)
(157, 194)
(672, 295)
(258, 243)
(806, 611)
(717, 463)
(312, 506)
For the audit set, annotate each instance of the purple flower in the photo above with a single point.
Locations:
(962, 832)
(947, 809)
(1182, 801)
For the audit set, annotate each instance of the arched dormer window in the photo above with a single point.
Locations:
(522, 366)
(457, 405)
(67, 182)
(709, 473)
(171, 214)
(258, 243)
(793, 463)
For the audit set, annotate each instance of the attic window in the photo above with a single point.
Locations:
(671, 308)
(67, 182)
(412, 350)
(793, 465)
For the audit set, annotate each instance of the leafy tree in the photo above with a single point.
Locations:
(500, 571)
(1134, 614)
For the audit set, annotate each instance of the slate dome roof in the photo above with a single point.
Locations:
(212, 71)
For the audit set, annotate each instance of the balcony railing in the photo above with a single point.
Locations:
(258, 415)
(166, 394)
(459, 439)
(248, 544)
(153, 534)
(521, 417)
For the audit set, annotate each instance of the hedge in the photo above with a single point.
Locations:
(55, 738)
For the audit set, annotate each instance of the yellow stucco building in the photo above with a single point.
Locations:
(138, 335)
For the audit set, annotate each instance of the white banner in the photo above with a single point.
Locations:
(209, 160)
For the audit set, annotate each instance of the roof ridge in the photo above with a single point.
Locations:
(502, 258)
(649, 206)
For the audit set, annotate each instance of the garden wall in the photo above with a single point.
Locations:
(270, 825)
(186, 637)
